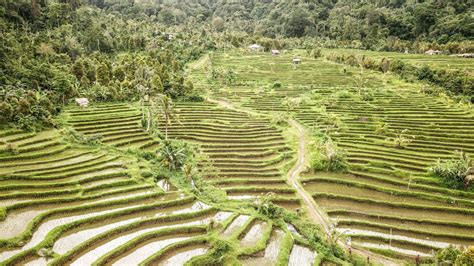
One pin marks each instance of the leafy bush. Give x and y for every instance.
(218, 255)
(146, 174)
(425, 73)
(276, 84)
(454, 172)
(194, 97)
(174, 154)
(447, 255)
(267, 208)
(327, 156)
(10, 148)
(344, 94)
(316, 53)
(381, 127)
(401, 139)
(92, 140)
(279, 119)
(466, 258)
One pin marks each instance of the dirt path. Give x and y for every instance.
(313, 210)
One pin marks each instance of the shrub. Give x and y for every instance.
(367, 96)
(194, 97)
(447, 255)
(384, 65)
(146, 174)
(218, 255)
(454, 172)
(381, 127)
(279, 119)
(425, 73)
(174, 154)
(316, 53)
(267, 208)
(276, 84)
(10, 148)
(466, 258)
(344, 94)
(328, 157)
(92, 140)
(401, 139)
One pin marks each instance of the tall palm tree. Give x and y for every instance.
(167, 112)
(162, 106)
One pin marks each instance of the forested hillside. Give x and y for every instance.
(116, 50)
(375, 24)
(49, 53)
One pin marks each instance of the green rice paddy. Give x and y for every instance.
(66, 203)
(387, 200)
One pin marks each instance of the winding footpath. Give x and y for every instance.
(314, 212)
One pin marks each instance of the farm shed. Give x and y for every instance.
(255, 48)
(296, 61)
(433, 52)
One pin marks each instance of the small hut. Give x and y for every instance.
(275, 52)
(433, 52)
(82, 102)
(296, 60)
(255, 48)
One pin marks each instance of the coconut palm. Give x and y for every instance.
(164, 108)
(173, 155)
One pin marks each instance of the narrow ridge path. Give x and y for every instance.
(314, 212)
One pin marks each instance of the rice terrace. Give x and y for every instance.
(157, 132)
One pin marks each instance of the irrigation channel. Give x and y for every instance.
(313, 210)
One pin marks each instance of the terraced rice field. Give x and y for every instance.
(250, 156)
(71, 204)
(387, 200)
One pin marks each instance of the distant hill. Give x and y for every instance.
(368, 21)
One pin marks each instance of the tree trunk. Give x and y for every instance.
(148, 121)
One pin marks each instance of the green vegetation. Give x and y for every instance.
(457, 82)
(456, 173)
(106, 186)
(228, 133)
(54, 52)
(328, 157)
(453, 256)
(387, 133)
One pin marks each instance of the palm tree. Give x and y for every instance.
(172, 156)
(164, 108)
